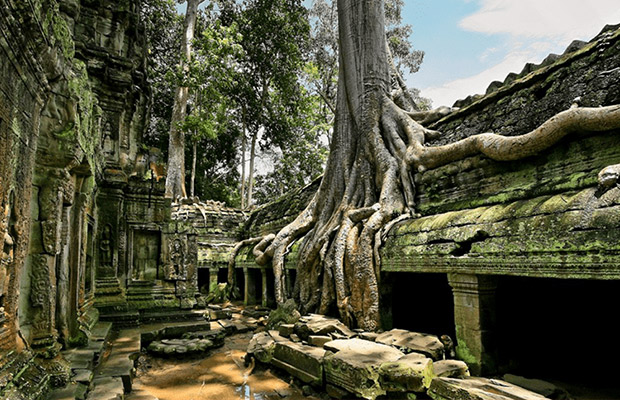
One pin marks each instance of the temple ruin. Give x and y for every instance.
(518, 261)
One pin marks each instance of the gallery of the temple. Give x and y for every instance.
(517, 261)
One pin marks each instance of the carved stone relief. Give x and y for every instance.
(146, 246)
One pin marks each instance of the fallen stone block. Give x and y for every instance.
(286, 329)
(217, 314)
(303, 362)
(411, 373)
(318, 340)
(372, 336)
(261, 346)
(409, 342)
(315, 324)
(450, 369)
(355, 366)
(543, 388)
(170, 347)
(478, 389)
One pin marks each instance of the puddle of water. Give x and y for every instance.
(220, 376)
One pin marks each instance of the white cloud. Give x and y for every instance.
(449, 92)
(567, 19)
(535, 28)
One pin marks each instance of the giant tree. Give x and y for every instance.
(368, 184)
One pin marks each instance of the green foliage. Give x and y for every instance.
(163, 32)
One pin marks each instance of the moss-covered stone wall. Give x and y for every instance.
(540, 216)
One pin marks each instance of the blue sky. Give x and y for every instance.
(470, 43)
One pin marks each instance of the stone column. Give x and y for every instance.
(246, 286)
(265, 294)
(474, 318)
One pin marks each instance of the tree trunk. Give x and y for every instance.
(251, 169)
(194, 151)
(175, 179)
(244, 145)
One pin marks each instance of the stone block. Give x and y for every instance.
(107, 388)
(478, 389)
(315, 324)
(356, 365)
(286, 329)
(411, 373)
(543, 388)
(409, 342)
(318, 340)
(261, 346)
(450, 369)
(303, 362)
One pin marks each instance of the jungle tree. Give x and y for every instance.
(376, 148)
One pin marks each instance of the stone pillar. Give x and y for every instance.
(474, 318)
(265, 294)
(288, 278)
(246, 286)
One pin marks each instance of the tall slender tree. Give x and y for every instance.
(175, 179)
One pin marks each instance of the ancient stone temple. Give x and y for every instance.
(517, 261)
(86, 233)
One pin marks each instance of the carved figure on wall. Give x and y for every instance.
(141, 258)
(105, 247)
(108, 140)
(177, 260)
(8, 249)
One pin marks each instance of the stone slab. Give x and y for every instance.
(107, 388)
(355, 365)
(315, 324)
(541, 387)
(408, 342)
(73, 391)
(84, 376)
(478, 389)
(301, 361)
(450, 369)
(411, 373)
(319, 340)
(101, 331)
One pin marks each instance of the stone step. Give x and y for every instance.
(73, 391)
(107, 388)
(80, 358)
(125, 348)
(101, 331)
(122, 319)
(172, 315)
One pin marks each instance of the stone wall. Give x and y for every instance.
(74, 189)
(540, 216)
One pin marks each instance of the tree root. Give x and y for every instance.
(233, 257)
(510, 148)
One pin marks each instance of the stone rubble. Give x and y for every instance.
(397, 363)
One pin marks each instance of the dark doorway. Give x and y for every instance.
(559, 329)
(222, 275)
(418, 302)
(204, 280)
